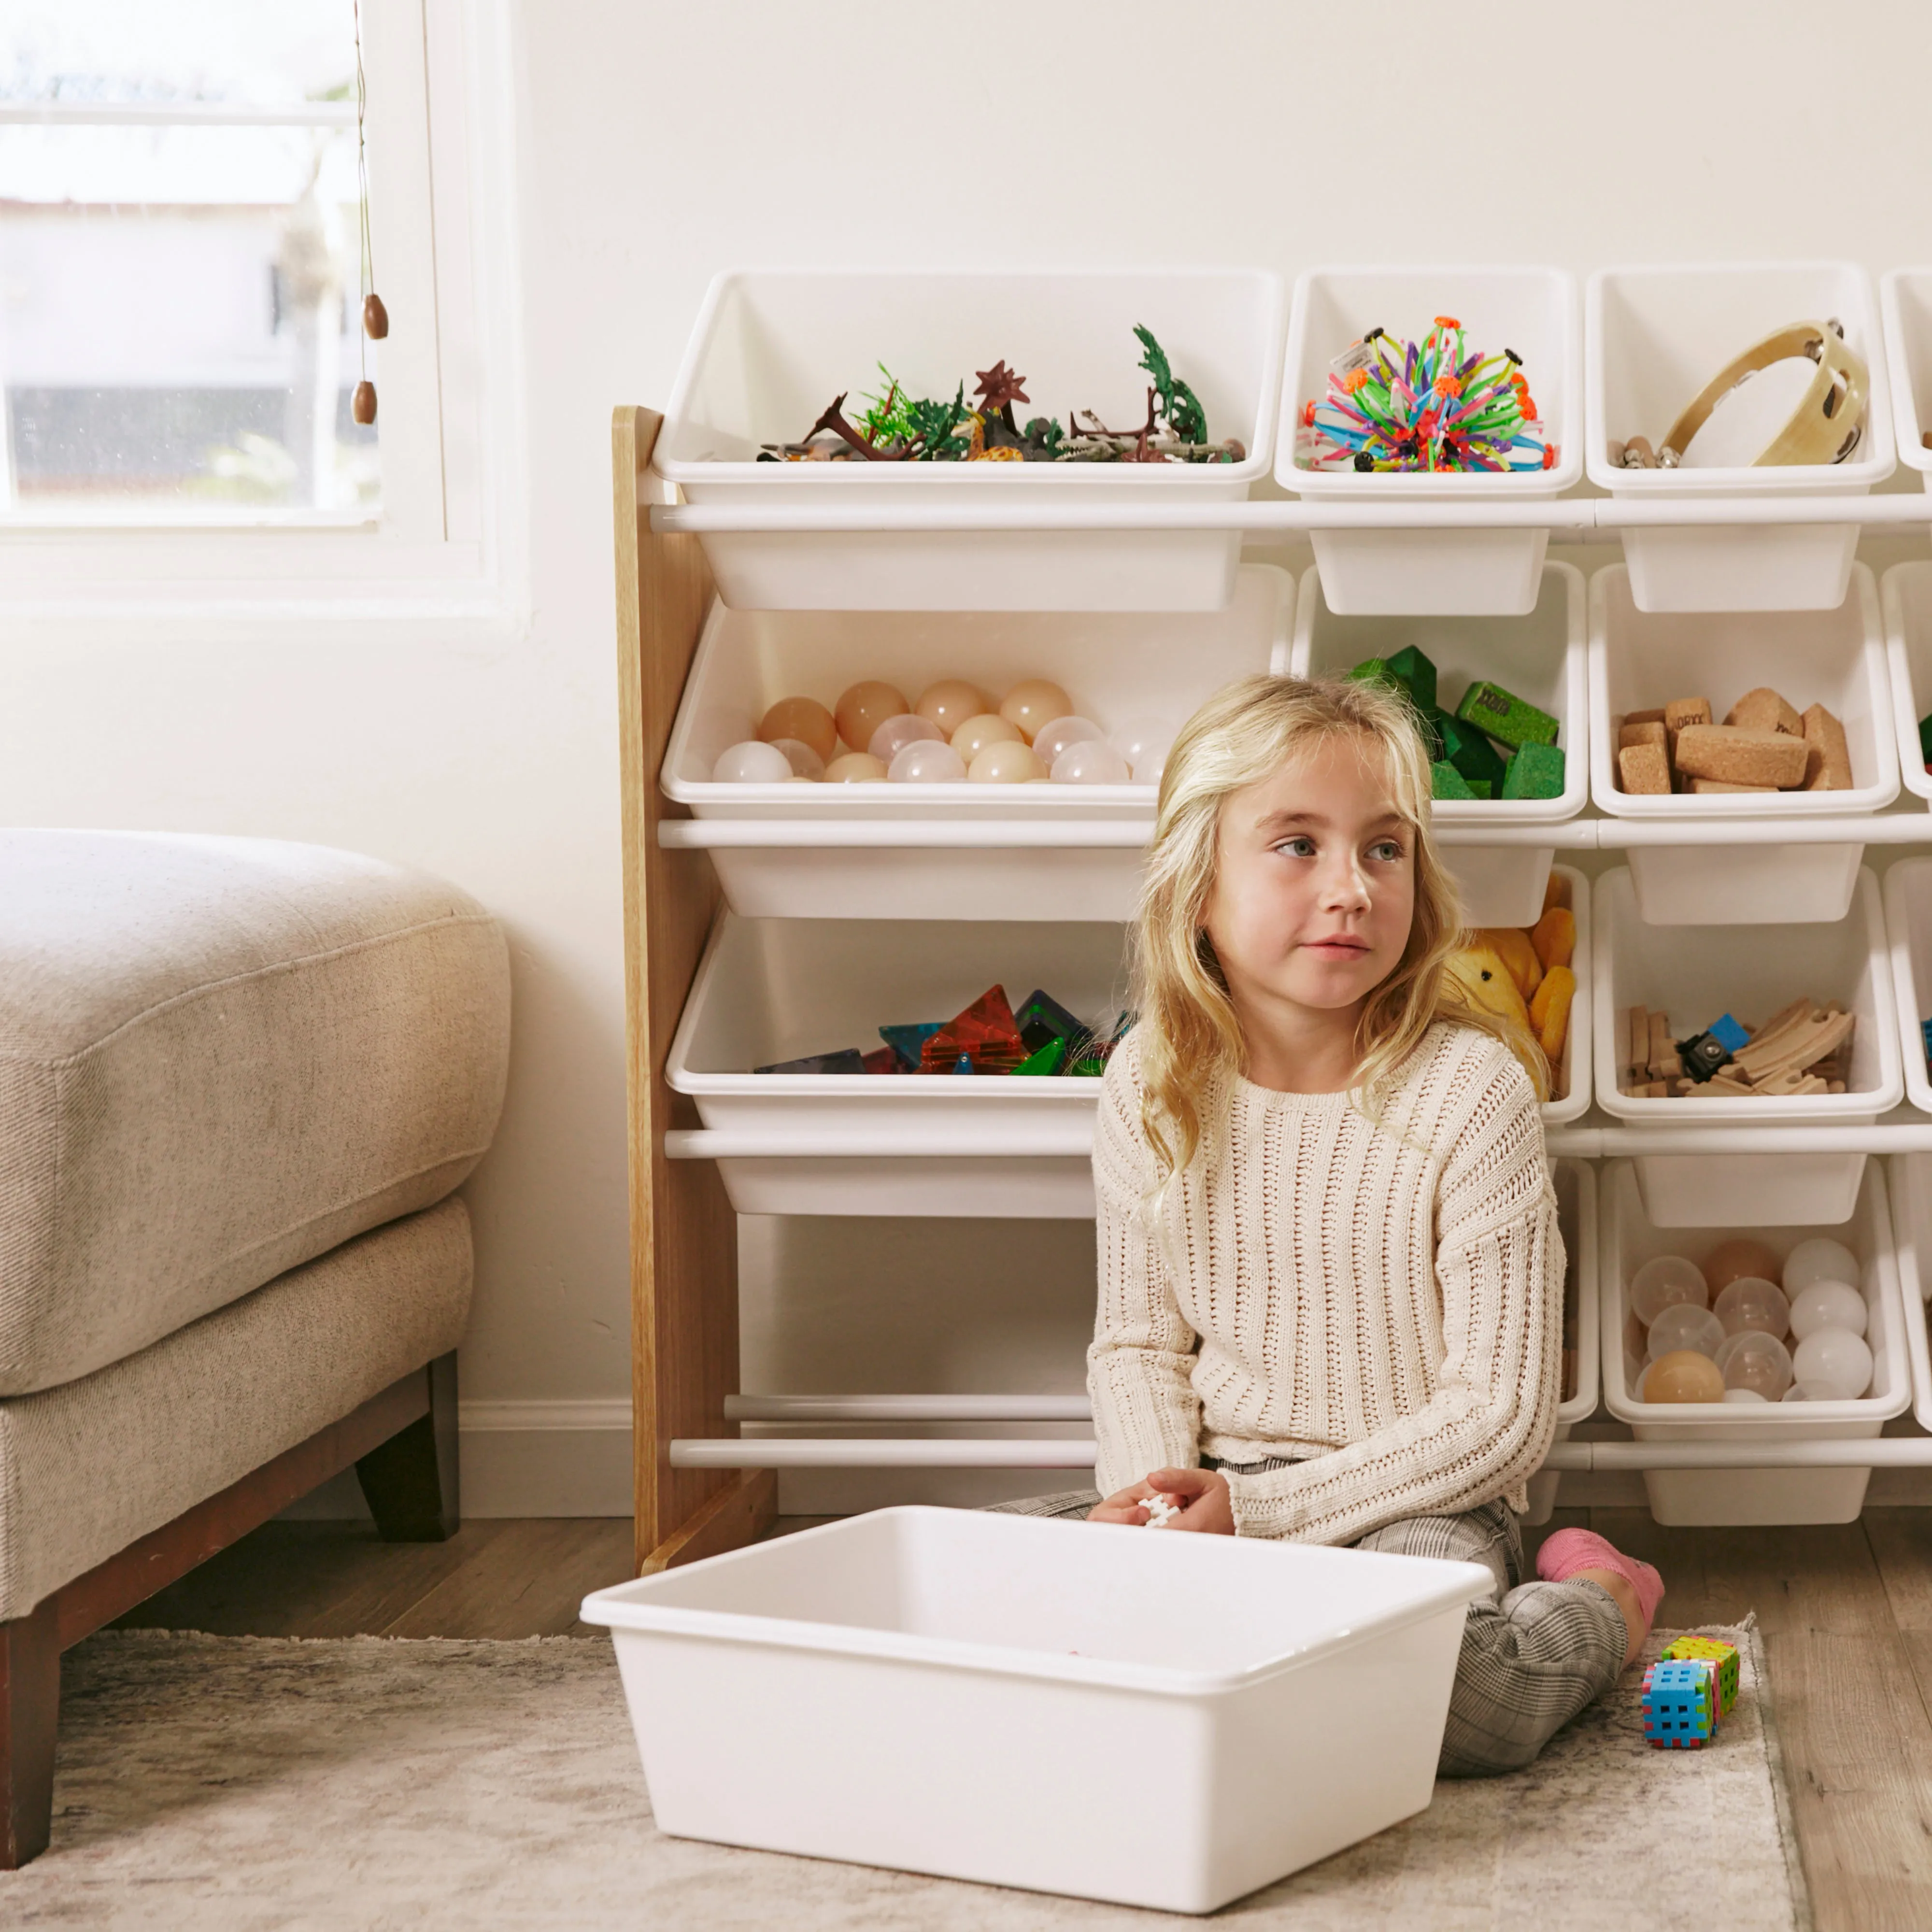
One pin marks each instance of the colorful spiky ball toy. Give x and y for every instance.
(1434, 405)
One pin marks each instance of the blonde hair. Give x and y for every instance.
(1189, 1036)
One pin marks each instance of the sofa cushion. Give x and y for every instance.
(219, 1057)
(87, 1467)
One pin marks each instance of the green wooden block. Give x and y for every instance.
(1447, 782)
(1469, 752)
(1415, 672)
(1535, 772)
(1480, 788)
(1505, 716)
(1925, 738)
(1374, 670)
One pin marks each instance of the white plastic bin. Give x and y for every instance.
(1653, 338)
(1542, 657)
(1908, 925)
(771, 347)
(1905, 298)
(1001, 1699)
(1697, 973)
(1911, 1185)
(770, 990)
(1630, 1238)
(1117, 668)
(1640, 661)
(1476, 572)
(1575, 1183)
(1905, 598)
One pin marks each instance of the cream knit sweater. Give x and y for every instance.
(1387, 1300)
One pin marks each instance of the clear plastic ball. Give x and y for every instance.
(988, 727)
(1742, 1395)
(949, 702)
(1820, 1259)
(802, 718)
(1033, 702)
(1752, 1360)
(1684, 1325)
(1053, 737)
(895, 733)
(1685, 1376)
(1092, 761)
(753, 762)
(1145, 743)
(805, 762)
(856, 768)
(1836, 1359)
(1827, 1304)
(1004, 763)
(927, 761)
(1808, 1392)
(1660, 1282)
(1740, 1255)
(863, 707)
(1751, 1302)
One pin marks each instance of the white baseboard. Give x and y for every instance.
(520, 1459)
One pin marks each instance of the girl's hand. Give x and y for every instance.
(1206, 1504)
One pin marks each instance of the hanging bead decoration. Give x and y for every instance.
(375, 316)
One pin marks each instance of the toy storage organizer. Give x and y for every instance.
(758, 915)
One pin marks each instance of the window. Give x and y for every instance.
(181, 284)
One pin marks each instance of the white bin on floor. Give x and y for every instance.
(1653, 338)
(1630, 1238)
(1905, 598)
(1905, 302)
(1911, 1189)
(1533, 311)
(1696, 973)
(771, 347)
(1542, 658)
(1118, 669)
(1575, 1183)
(1001, 1699)
(1837, 658)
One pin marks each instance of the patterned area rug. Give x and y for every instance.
(246, 1782)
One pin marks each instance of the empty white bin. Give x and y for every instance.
(1117, 668)
(1694, 973)
(1905, 596)
(1905, 302)
(1908, 925)
(1653, 338)
(1911, 1186)
(1495, 572)
(1542, 658)
(1010, 1700)
(1630, 1237)
(771, 347)
(1640, 661)
(1576, 1184)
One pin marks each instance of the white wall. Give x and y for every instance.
(660, 140)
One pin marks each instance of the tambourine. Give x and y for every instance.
(1826, 426)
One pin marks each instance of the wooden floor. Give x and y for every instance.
(1847, 1615)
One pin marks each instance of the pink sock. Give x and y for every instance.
(1569, 1550)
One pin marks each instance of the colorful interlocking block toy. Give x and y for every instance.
(1712, 1650)
(1680, 1704)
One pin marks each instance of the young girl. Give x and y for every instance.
(1331, 1283)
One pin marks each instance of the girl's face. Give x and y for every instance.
(1315, 883)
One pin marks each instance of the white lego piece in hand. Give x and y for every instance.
(1161, 1510)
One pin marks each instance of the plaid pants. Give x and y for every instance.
(1533, 1656)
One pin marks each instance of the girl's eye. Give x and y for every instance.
(1389, 851)
(1300, 847)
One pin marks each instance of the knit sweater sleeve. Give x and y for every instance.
(1146, 1414)
(1499, 1272)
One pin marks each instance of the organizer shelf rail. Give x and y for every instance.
(701, 1486)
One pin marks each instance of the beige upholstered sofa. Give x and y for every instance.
(240, 1081)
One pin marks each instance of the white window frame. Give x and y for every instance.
(447, 541)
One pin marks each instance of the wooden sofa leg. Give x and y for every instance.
(29, 1716)
(410, 1481)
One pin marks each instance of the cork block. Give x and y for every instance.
(1703, 787)
(1682, 711)
(1643, 768)
(1647, 731)
(1643, 718)
(1765, 709)
(1535, 772)
(1739, 756)
(1828, 763)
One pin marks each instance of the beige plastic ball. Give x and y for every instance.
(856, 768)
(1684, 1376)
(949, 702)
(987, 727)
(1006, 763)
(1033, 702)
(802, 718)
(863, 707)
(1733, 1260)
